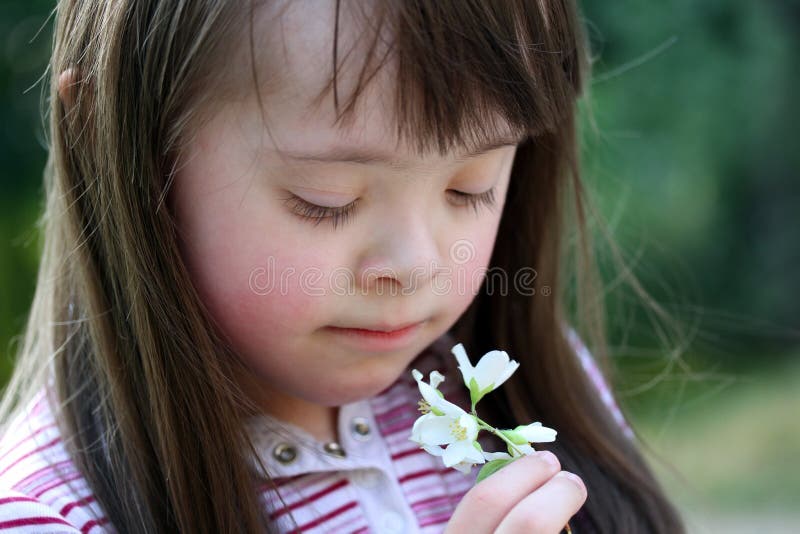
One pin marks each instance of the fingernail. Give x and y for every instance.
(574, 478)
(548, 457)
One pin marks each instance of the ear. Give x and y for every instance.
(74, 92)
(67, 86)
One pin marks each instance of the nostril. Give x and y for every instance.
(387, 283)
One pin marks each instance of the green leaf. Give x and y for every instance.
(474, 391)
(490, 468)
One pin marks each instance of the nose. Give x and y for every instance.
(402, 254)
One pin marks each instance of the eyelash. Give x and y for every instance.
(340, 215)
(475, 200)
(316, 214)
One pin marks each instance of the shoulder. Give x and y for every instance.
(595, 375)
(22, 513)
(41, 490)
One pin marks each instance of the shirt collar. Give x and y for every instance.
(287, 450)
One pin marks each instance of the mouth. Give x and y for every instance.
(382, 328)
(378, 336)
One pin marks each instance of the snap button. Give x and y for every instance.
(334, 448)
(361, 429)
(284, 453)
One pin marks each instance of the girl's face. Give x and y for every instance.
(342, 230)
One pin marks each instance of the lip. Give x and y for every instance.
(380, 328)
(377, 337)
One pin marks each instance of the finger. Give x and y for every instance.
(485, 505)
(548, 509)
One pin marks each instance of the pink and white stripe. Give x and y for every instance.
(42, 491)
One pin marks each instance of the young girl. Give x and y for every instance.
(260, 217)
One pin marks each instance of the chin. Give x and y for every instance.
(352, 389)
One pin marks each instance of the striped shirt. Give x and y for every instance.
(373, 480)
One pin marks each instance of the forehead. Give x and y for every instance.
(293, 59)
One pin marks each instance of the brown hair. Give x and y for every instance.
(144, 381)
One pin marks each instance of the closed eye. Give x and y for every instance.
(339, 215)
(316, 214)
(475, 200)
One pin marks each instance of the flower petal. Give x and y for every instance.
(490, 367)
(456, 452)
(435, 430)
(473, 455)
(537, 433)
(419, 423)
(464, 467)
(507, 372)
(434, 450)
(435, 379)
(468, 422)
(467, 371)
(415, 429)
(432, 397)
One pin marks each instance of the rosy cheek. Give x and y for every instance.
(270, 299)
(469, 260)
(251, 279)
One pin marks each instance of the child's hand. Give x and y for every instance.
(531, 496)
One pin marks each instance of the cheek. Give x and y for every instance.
(260, 296)
(250, 271)
(479, 267)
(468, 261)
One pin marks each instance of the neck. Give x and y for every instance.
(322, 422)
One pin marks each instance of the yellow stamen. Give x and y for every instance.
(424, 406)
(458, 431)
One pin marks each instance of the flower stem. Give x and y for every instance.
(486, 426)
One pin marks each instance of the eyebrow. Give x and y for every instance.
(371, 156)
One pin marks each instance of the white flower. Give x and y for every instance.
(433, 398)
(459, 434)
(465, 465)
(494, 368)
(536, 433)
(446, 430)
(522, 436)
(451, 426)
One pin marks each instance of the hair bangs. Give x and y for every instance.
(469, 73)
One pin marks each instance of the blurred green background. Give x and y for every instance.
(691, 148)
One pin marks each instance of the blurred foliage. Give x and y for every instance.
(733, 449)
(23, 58)
(690, 144)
